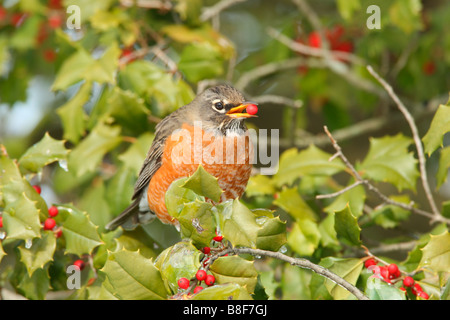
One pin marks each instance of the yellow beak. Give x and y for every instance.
(236, 112)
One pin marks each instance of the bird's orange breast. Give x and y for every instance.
(228, 158)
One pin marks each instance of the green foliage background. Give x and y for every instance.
(130, 65)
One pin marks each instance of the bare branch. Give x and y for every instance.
(338, 193)
(371, 187)
(302, 263)
(416, 137)
(214, 10)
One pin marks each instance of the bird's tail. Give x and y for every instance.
(129, 218)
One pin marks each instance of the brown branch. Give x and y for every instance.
(415, 132)
(302, 263)
(371, 187)
(211, 12)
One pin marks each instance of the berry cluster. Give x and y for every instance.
(391, 273)
(54, 19)
(50, 222)
(201, 275)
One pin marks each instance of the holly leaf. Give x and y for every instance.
(388, 160)
(312, 161)
(304, 237)
(259, 185)
(436, 254)
(21, 219)
(72, 114)
(131, 276)
(236, 270)
(354, 197)
(377, 289)
(46, 151)
(182, 260)
(200, 61)
(272, 235)
(197, 222)
(229, 291)
(348, 269)
(290, 201)
(444, 164)
(204, 184)
(176, 197)
(101, 140)
(239, 223)
(80, 233)
(346, 226)
(439, 126)
(40, 252)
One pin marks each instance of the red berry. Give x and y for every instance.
(393, 271)
(314, 40)
(49, 224)
(206, 250)
(3, 13)
(408, 281)
(79, 264)
(183, 283)
(429, 68)
(417, 287)
(37, 188)
(50, 55)
(218, 238)
(55, 4)
(58, 233)
(210, 280)
(384, 272)
(198, 289)
(1, 222)
(423, 295)
(201, 275)
(252, 109)
(55, 21)
(53, 211)
(370, 262)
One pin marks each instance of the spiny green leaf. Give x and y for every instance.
(178, 261)
(176, 196)
(41, 252)
(133, 277)
(259, 185)
(88, 154)
(312, 161)
(438, 127)
(272, 235)
(348, 269)
(204, 184)
(46, 151)
(377, 289)
(436, 254)
(235, 269)
(21, 219)
(346, 226)
(290, 201)
(229, 291)
(388, 160)
(80, 233)
(354, 197)
(304, 237)
(239, 223)
(72, 114)
(444, 164)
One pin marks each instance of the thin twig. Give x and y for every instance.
(338, 193)
(214, 10)
(415, 132)
(371, 187)
(302, 263)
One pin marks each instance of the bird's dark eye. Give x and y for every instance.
(218, 105)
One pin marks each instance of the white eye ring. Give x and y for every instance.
(219, 106)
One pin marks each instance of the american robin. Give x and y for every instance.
(209, 131)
